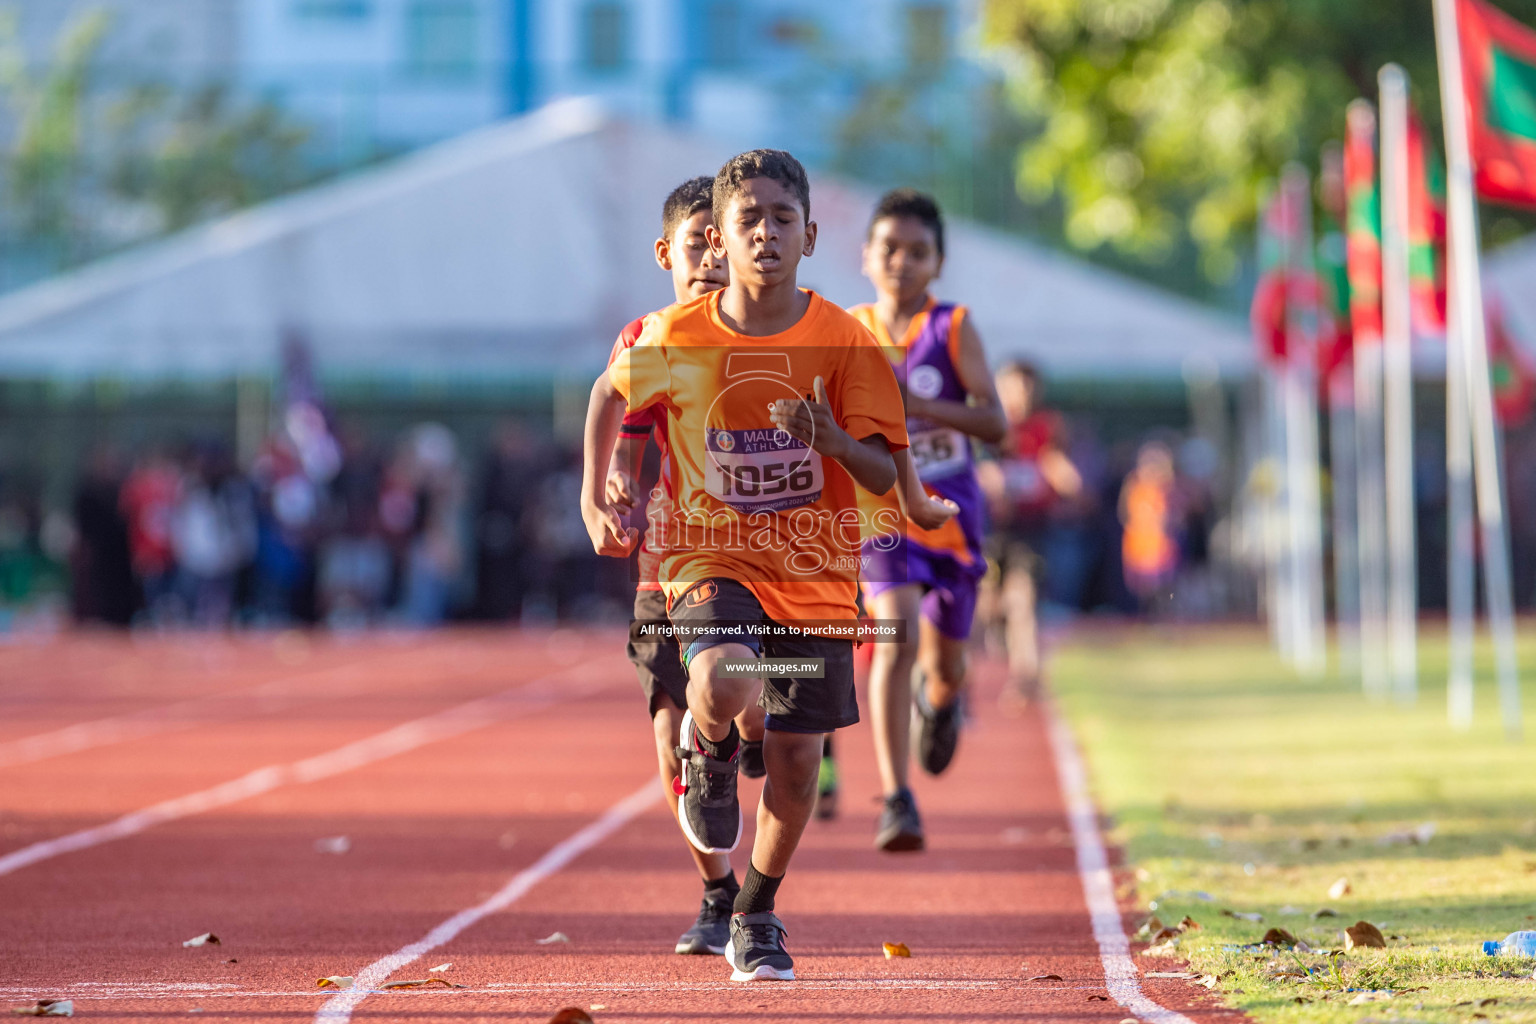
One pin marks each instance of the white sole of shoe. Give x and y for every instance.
(763, 973)
(685, 740)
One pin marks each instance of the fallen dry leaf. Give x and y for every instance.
(1164, 934)
(205, 939)
(550, 940)
(1169, 948)
(1324, 912)
(1363, 934)
(48, 1008)
(1189, 924)
(1096, 998)
(895, 949)
(1338, 890)
(1149, 927)
(1046, 977)
(439, 968)
(598, 1006)
(422, 983)
(333, 844)
(1184, 975)
(1278, 937)
(1210, 981)
(336, 981)
(1285, 970)
(571, 1015)
(1242, 915)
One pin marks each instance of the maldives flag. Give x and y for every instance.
(1498, 62)
(1334, 341)
(1426, 232)
(1509, 371)
(1362, 224)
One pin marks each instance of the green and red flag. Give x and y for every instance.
(1498, 61)
(1335, 340)
(1509, 370)
(1362, 224)
(1278, 229)
(1426, 232)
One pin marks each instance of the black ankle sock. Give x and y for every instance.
(722, 750)
(727, 885)
(757, 892)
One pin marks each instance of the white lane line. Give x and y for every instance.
(103, 991)
(408, 736)
(266, 698)
(339, 1009)
(1120, 975)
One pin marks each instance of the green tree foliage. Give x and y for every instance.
(87, 169)
(1159, 121)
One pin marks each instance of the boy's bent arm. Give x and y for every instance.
(870, 463)
(605, 527)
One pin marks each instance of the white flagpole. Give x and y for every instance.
(1302, 436)
(1461, 552)
(1346, 567)
(1465, 283)
(1397, 334)
(1369, 497)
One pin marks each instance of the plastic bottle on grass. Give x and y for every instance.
(1514, 944)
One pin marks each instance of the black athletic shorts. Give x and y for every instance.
(658, 662)
(804, 705)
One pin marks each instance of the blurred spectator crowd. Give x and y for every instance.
(319, 529)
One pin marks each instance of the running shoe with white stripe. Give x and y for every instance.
(708, 809)
(756, 949)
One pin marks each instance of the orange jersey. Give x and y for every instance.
(752, 503)
(885, 508)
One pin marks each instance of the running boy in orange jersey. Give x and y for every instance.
(682, 250)
(778, 407)
(927, 577)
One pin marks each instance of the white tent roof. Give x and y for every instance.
(522, 249)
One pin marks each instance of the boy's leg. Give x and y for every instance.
(659, 666)
(801, 711)
(946, 626)
(1020, 624)
(714, 617)
(890, 706)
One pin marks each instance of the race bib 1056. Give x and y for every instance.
(763, 470)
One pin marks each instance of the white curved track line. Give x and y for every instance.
(1120, 975)
(408, 736)
(338, 1009)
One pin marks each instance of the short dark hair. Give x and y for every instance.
(774, 164)
(909, 202)
(687, 199)
(1023, 367)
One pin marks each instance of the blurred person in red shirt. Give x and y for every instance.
(1024, 484)
(148, 501)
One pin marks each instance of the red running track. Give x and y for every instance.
(155, 789)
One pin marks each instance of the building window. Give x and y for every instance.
(606, 36)
(722, 34)
(927, 35)
(441, 39)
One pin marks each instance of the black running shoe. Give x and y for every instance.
(708, 809)
(938, 732)
(756, 949)
(712, 928)
(752, 765)
(900, 829)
